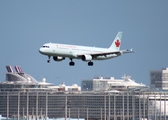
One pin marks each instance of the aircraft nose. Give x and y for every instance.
(41, 50)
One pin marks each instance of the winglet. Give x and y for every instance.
(117, 42)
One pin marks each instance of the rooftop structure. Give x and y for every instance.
(103, 84)
(20, 81)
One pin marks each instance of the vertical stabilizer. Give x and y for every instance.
(117, 42)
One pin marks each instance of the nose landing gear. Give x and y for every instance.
(48, 59)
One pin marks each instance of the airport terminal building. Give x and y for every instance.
(22, 97)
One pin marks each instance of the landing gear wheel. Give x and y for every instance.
(71, 63)
(90, 63)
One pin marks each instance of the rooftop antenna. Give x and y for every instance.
(126, 77)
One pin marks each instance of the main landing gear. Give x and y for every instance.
(71, 63)
(90, 63)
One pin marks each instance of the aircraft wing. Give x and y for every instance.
(99, 54)
(108, 53)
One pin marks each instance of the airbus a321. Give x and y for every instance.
(61, 51)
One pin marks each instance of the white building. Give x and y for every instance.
(63, 88)
(104, 84)
(159, 79)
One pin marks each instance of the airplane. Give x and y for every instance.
(61, 51)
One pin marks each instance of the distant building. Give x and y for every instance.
(159, 79)
(24, 98)
(103, 84)
(63, 88)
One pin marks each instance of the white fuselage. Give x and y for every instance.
(72, 51)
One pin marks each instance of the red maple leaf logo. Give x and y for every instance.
(117, 43)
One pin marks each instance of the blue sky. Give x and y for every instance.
(26, 25)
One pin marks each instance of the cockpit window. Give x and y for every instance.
(45, 46)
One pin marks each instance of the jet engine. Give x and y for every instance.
(58, 58)
(86, 57)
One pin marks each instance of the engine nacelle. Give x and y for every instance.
(58, 58)
(86, 57)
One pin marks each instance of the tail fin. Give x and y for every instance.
(117, 42)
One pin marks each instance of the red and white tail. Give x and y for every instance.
(117, 42)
